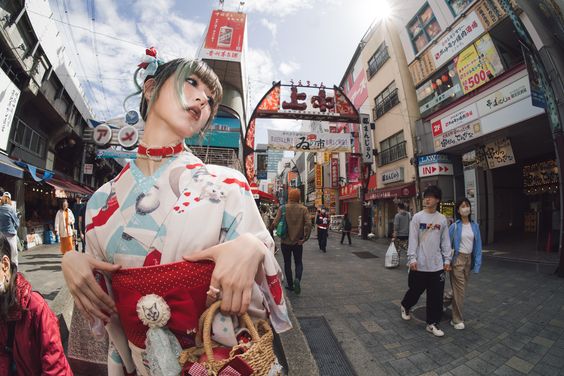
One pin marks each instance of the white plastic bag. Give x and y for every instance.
(392, 257)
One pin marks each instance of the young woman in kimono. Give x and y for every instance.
(168, 206)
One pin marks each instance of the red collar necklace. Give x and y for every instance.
(157, 153)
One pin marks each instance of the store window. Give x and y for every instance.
(28, 139)
(423, 28)
(386, 100)
(378, 59)
(458, 6)
(392, 149)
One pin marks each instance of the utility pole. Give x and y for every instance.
(554, 115)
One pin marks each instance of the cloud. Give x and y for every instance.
(271, 26)
(279, 8)
(287, 68)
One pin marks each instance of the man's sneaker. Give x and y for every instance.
(289, 288)
(432, 328)
(405, 313)
(458, 326)
(297, 288)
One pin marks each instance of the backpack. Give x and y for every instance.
(282, 227)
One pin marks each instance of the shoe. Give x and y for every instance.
(405, 313)
(458, 326)
(433, 328)
(297, 288)
(289, 288)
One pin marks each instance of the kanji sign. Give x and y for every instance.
(303, 141)
(366, 139)
(334, 173)
(225, 36)
(318, 176)
(9, 96)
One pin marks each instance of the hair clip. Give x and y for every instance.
(150, 62)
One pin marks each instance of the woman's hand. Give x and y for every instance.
(78, 270)
(236, 264)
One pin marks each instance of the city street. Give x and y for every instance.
(513, 316)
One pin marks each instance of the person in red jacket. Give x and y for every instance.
(30, 342)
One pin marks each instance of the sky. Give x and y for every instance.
(287, 39)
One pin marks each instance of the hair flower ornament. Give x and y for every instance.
(150, 62)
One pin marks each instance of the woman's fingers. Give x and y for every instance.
(226, 300)
(104, 266)
(246, 300)
(80, 306)
(98, 298)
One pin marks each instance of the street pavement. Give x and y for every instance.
(514, 316)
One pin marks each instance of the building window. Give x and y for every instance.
(28, 139)
(392, 149)
(386, 100)
(458, 6)
(377, 60)
(423, 28)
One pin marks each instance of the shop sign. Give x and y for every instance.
(468, 29)
(319, 198)
(354, 168)
(225, 36)
(115, 154)
(318, 176)
(456, 119)
(392, 176)
(478, 64)
(366, 141)
(88, 168)
(379, 194)
(434, 169)
(471, 190)
(432, 159)
(307, 141)
(349, 191)
(334, 173)
(505, 96)
(499, 153)
(9, 96)
(458, 136)
(311, 196)
(453, 91)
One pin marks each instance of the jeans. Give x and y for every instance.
(322, 238)
(434, 284)
(297, 251)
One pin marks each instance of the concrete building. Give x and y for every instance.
(483, 133)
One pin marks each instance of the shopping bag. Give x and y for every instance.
(282, 227)
(392, 257)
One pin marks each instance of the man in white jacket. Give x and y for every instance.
(64, 225)
(428, 258)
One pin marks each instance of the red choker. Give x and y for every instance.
(159, 152)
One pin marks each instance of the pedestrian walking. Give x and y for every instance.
(164, 208)
(467, 241)
(76, 208)
(30, 341)
(82, 223)
(347, 227)
(429, 256)
(322, 222)
(64, 227)
(9, 223)
(297, 233)
(400, 236)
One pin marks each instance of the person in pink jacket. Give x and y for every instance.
(30, 341)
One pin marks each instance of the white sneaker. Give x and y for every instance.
(435, 330)
(458, 326)
(405, 313)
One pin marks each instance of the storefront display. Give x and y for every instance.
(539, 178)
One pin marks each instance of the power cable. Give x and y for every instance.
(95, 43)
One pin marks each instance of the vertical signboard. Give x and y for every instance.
(225, 36)
(9, 95)
(366, 139)
(318, 176)
(334, 173)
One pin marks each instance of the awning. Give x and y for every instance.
(261, 195)
(404, 190)
(8, 167)
(67, 186)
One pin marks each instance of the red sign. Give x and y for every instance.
(349, 191)
(225, 37)
(354, 168)
(334, 173)
(407, 190)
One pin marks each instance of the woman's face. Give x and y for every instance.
(65, 205)
(4, 274)
(168, 111)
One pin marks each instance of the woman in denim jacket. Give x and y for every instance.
(467, 244)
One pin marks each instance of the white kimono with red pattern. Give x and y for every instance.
(184, 207)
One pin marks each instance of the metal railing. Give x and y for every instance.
(386, 105)
(392, 154)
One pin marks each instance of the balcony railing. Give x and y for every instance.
(386, 105)
(392, 154)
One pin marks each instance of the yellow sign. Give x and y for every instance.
(478, 64)
(318, 176)
(326, 157)
(319, 198)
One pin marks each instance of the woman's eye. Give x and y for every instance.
(192, 81)
(210, 101)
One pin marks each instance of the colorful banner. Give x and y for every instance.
(334, 173)
(478, 64)
(499, 153)
(354, 168)
(462, 34)
(303, 141)
(225, 36)
(318, 177)
(456, 119)
(457, 136)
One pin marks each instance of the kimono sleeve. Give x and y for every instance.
(93, 213)
(242, 216)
